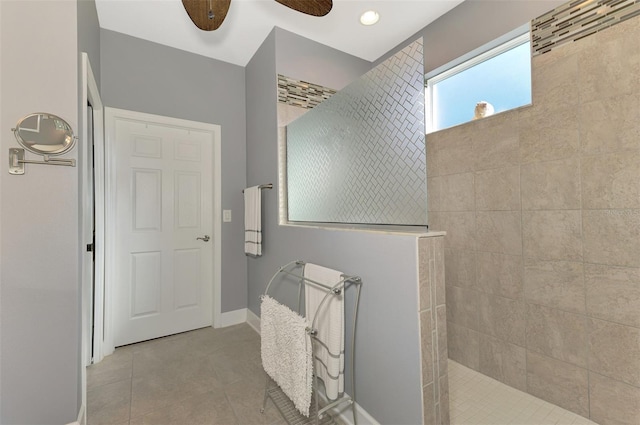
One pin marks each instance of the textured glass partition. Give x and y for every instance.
(359, 157)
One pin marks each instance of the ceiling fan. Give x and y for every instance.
(209, 14)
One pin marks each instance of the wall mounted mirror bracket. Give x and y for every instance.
(17, 161)
(43, 134)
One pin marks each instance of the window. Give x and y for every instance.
(500, 77)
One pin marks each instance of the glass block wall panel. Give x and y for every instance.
(359, 156)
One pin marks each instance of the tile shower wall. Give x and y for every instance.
(433, 331)
(359, 156)
(542, 211)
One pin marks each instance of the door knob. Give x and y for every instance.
(205, 239)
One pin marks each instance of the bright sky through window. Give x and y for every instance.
(503, 80)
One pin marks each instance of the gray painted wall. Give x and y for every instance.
(89, 34)
(262, 119)
(388, 324)
(472, 24)
(302, 59)
(1, 145)
(147, 77)
(39, 220)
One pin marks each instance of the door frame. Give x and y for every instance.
(90, 94)
(111, 114)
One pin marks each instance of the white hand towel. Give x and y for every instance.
(329, 353)
(253, 221)
(286, 351)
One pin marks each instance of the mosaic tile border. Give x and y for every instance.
(578, 19)
(301, 93)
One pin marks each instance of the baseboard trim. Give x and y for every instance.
(82, 419)
(231, 318)
(345, 414)
(253, 321)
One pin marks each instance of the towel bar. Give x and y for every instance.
(264, 186)
(318, 415)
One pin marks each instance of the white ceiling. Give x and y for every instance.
(249, 22)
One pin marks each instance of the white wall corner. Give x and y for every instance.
(231, 318)
(253, 321)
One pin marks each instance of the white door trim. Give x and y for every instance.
(91, 94)
(111, 114)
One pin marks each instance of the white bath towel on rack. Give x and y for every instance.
(286, 351)
(329, 353)
(253, 221)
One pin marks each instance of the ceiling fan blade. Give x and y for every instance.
(207, 14)
(310, 7)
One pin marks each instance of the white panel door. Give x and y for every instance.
(164, 259)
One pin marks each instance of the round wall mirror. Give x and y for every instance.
(44, 134)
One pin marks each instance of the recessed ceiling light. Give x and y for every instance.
(369, 17)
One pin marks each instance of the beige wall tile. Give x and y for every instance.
(552, 235)
(629, 28)
(498, 189)
(432, 154)
(500, 274)
(499, 231)
(558, 382)
(558, 284)
(424, 272)
(437, 221)
(611, 181)
(613, 293)
(610, 68)
(439, 271)
(460, 228)
(613, 402)
(429, 408)
(453, 148)
(610, 124)
(551, 185)
(434, 193)
(441, 329)
(549, 136)
(462, 307)
(444, 400)
(460, 268)
(497, 146)
(555, 83)
(614, 351)
(503, 318)
(563, 51)
(612, 237)
(456, 192)
(503, 361)
(557, 334)
(462, 344)
(426, 346)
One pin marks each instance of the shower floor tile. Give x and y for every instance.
(476, 399)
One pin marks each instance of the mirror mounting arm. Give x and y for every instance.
(17, 161)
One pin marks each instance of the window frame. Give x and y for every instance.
(457, 67)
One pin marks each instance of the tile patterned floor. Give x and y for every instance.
(207, 376)
(214, 376)
(476, 399)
